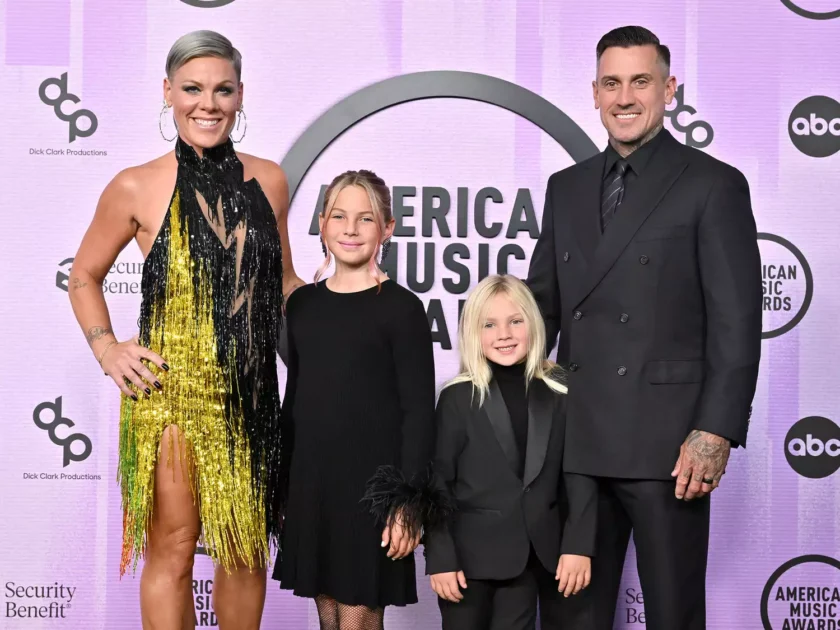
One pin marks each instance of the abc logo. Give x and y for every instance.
(814, 126)
(812, 447)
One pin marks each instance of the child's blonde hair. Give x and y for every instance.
(380, 205)
(474, 366)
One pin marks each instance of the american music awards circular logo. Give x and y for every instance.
(787, 285)
(803, 593)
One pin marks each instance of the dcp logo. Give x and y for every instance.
(207, 4)
(61, 276)
(814, 126)
(812, 447)
(57, 420)
(64, 95)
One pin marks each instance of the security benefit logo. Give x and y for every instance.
(803, 594)
(814, 126)
(37, 601)
(203, 590)
(56, 101)
(123, 277)
(787, 285)
(812, 447)
(634, 607)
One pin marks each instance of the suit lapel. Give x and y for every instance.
(665, 166)
(499, 418)
(541, 401)
(586, 212)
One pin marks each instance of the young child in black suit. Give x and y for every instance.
(522, 530)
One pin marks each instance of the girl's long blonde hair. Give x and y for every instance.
(474, 366)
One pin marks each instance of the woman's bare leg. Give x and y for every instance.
(166, 601)
(239, 597)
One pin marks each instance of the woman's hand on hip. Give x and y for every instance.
(123, 362)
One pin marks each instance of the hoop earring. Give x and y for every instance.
(160, 123)
(240, 116)
(386, 247)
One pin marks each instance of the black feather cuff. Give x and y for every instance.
(422, 504)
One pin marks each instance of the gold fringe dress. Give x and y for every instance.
(211, 304)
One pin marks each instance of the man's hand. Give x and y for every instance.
(701, 464)
(446, 585)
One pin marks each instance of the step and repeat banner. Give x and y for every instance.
(464, 108)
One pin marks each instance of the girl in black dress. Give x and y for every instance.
(358, 426)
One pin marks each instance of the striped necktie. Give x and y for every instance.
(613, 193)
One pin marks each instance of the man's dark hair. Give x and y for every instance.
(629, 36)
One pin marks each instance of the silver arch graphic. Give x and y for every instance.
(207, 4)
(811, 15)
(434, 84)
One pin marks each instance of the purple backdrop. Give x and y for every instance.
(745, 68)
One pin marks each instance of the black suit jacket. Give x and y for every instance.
(499, 515)
(659, 317)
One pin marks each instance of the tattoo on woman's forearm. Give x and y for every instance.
(78, 284)
(97, 332)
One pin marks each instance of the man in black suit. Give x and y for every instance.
(648, 267)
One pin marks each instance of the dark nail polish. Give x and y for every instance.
(157, 384)
(134, 398)
(148, 392)
(164, 366)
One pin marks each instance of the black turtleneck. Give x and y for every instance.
(511, 381)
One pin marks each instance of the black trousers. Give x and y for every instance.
(672, 542)
(507, 604)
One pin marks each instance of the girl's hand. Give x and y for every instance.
(395, 536)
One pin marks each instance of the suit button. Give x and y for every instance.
(566, 257)
(578, 315)
(644, 259)
(624, 318)
(573, 367)
(528, 489)
(622, 370)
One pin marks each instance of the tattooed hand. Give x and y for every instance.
(701, 464)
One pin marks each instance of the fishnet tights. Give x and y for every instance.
(335, 616)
